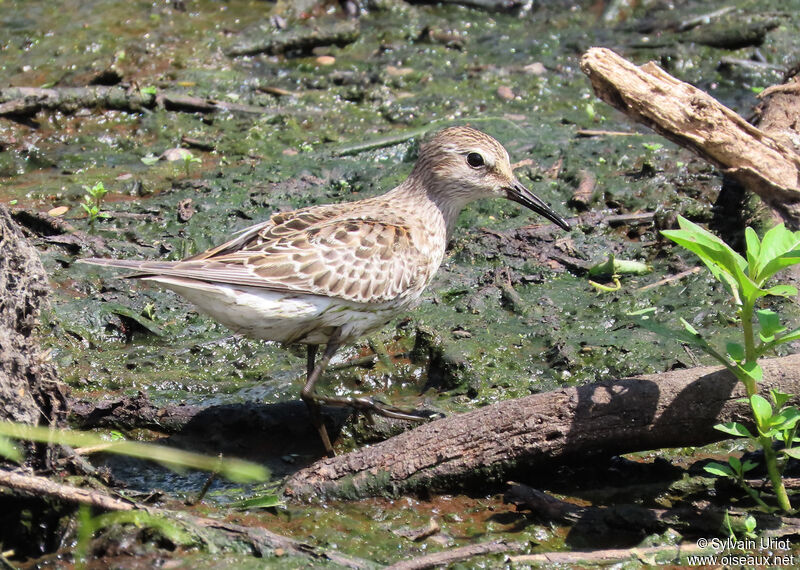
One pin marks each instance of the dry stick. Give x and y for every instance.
(42, 486)
(456, 555)
(601, 133)
(30, 100)
(673, 409)
(644, 555)
(262, 540)
(670, 279)
(695, 120)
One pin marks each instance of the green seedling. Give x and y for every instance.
(149, 311)
(652, 147)
(188, 160)
(92, 201)
(746, 279)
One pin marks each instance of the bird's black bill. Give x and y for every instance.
(522, 195)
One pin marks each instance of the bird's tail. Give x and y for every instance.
(140, 266)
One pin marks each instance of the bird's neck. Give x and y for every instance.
(438, 210)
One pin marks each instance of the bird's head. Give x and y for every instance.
(461, 164)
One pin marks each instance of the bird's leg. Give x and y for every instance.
(309, 396)
(367, 405)
(312, 399)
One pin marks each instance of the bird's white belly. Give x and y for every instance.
(285, 317)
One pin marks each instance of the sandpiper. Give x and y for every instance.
(333, 273)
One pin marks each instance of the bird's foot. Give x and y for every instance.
(369, 406)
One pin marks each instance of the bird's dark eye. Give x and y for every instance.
(475, 160)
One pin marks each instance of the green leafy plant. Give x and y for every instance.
(746, 280)
(91, 202)
(233, 469)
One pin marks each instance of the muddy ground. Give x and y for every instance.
(338, 117)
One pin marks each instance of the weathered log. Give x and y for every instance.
(508, 439)
(693, 119)
(29, 388)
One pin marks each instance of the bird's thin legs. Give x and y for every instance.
(308, 394)
(313, 400)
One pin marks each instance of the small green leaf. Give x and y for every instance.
(10, 451)
(762, 410)
(750, 525)
(149, 160)
(788, 337)
(780, 248)
(264, 502)
(789, 291)
(735, 351)
(733, 428)
(688, 327)
(735, 464)
(770, 323)
(786, 419)
(793, 452)
(719, 469)
(779, 398)
(643, 312)
(749, 466)
(753, 370)
(753, 247)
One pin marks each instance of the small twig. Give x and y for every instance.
(455, 555)
(90, 449)
(600, 133)
(690, 354)
(392, 140)
(197, 143)
(703, 18)
(610, 555)
(670, 279)
(42, 486)
(206, 486)
(630, 219)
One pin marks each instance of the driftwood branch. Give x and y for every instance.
(495, 443)
(691, 118)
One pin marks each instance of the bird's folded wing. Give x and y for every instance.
(359, 260)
